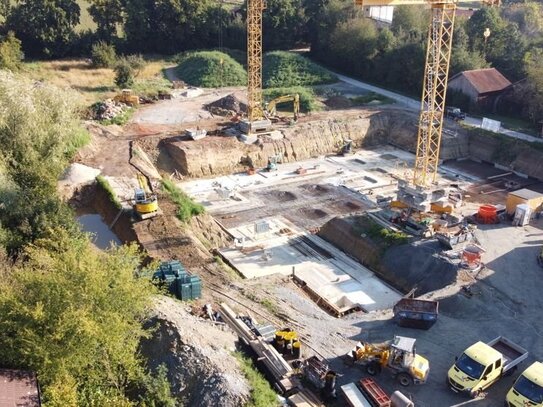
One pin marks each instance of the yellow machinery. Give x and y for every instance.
(145, 202)
(271, 108)
(398, 355)
(127, 97)
(434, 90)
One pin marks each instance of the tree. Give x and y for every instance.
(39, 132)
(165, 26)
(45, 27)
(103, 55)
(284, 24)
(124, 74)
(107, 14)
(486, 17)
(11, 54)
(74, 315)
(534, 98)
(410, 22)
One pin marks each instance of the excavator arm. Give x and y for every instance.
(295, 99)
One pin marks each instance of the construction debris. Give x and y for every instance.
(227, 106)
(108, 109)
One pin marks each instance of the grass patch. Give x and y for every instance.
(186, 207)
(226, 268)
(382, 236)
(262, 395)
(308, 101)
(270, 306)
(369, 98)
(286, 69)
(121, 119)
(210, 69)
(151, 87)
(515, 124)
(104, 184)
(79, 140)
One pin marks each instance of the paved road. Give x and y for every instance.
(414, 104)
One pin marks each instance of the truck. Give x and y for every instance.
(398, 356)
(414, 313)
(483, 364)
(455, 113)
(528, 388)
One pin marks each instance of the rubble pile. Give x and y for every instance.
(108, 109)
(227, 106)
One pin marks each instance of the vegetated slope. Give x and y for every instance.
(211, 69)
(285, 69)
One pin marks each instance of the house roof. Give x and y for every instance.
(485, 80)
(19, 389)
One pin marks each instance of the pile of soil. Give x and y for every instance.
(338, 102)
(404, 267)
(227, 106)
(201, 368)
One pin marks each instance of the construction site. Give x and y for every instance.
(328, 243)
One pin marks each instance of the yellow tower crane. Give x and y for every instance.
(256, 120)
(436, 71)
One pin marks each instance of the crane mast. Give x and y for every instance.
(434, 91)
(254, 59)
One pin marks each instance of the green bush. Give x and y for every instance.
(285, 69)
(308, 102)
(103, 55)
(11, 53)
(124, 74)
(210, 69)
(186, 207)
(104, 184)
(262, 395)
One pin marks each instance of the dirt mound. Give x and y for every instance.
(201, 368)
(338, 102)
(404, 267)
(227, 106)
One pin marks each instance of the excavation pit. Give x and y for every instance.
(282, 196)
(314, 213)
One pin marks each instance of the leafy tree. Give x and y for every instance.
(410, 22)
(158, 392)
(39, 131)
(486, 17)
(107, 14)
(103, 55)
(74, 315)
(534, 98)
(164, 26)
(124, 74)
(11, 54)
(284, 24)
(45, 27)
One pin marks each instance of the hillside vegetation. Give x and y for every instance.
(285, 69)
(211, 69)
(69, 312)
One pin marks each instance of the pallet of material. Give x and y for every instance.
(354, 397)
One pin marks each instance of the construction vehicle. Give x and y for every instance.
(399, 356)
(145, 202)
(455, 114)
(128, 98)
(272, 163)
(528, 388)
(271, 108)
(483, 364)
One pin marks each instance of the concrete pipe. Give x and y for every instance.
(399, 400)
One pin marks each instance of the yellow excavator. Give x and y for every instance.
(145, 202)
(128, 98)
(271, 108)
(399, 356)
